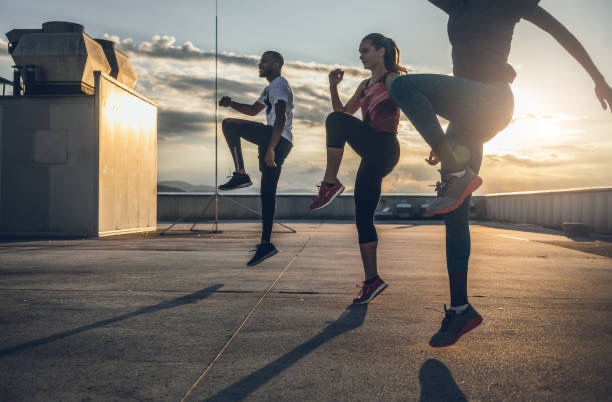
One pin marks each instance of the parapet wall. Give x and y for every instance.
(589, 206)
(288, 206)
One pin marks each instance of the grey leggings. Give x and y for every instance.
(476, 113)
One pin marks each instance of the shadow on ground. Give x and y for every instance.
(437, 383)
(350, 319)
(187, 299)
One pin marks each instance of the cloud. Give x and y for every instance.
(511, 160)
(311, 110)
(4, 49)
(312, 92)
(538, 151)
(312, 115)
(165, 47)
(307, 168)
(324, 68)
(165, 85)
(557, 117)
(420, 172)
(173, 123)
(195, 85)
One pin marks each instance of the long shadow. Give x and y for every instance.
(351, 319)
(437, 383)
(187, 299)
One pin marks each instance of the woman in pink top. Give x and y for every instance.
(373, 138)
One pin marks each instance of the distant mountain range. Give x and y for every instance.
(182, 187)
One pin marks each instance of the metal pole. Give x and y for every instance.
(216, 115)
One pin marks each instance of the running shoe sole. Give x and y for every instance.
(375, 293)
(473, 323)
(473, 186)
(265, 257)
(331, 199)
(239, 186)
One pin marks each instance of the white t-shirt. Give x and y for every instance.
(278, 89)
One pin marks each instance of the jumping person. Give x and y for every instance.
(274, 142)
(374, 139)
(478, 103)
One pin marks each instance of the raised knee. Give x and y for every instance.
(400, 85)
(225, 124)
(228, 123)
(333, 117)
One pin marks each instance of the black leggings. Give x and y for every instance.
(379, 153)
(259, 134)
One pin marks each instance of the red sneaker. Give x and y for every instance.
(369, 291)
(326, 195)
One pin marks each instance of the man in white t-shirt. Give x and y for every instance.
(274, 142)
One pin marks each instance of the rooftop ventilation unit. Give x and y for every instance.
(60, 59)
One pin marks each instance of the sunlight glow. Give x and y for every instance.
(530, 131)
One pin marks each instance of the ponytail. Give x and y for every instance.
(392, 58)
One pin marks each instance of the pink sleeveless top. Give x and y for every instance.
(378, 108)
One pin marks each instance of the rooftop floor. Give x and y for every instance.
(159, 318)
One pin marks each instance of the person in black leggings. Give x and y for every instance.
(478, 103)
(373, 138)
(274, 142)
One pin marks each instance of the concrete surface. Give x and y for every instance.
(163, 318)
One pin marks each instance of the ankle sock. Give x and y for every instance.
(458, 174)
(330, 184)
(460, 309)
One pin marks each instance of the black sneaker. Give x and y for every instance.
(238, 180)
(454, 326)
(263, 252)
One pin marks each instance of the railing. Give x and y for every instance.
(4, 83)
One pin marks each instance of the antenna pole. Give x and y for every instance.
(216, 115)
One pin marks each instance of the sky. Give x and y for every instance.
(559, 136)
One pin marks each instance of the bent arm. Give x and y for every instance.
(543, 20)
(250, 110)
(352, 105)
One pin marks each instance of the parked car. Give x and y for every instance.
(384, 213)
(404, 210)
